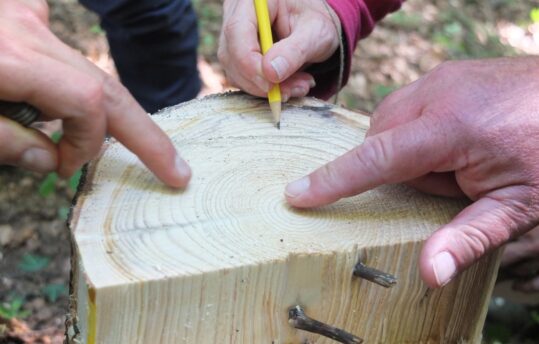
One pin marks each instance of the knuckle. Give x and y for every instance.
(475, 241)
(373, 156)
(326, 36)
(30, 19)
(329, 176)
(230, 28)
(41, 9)
(113, 92)
(14, 56)
(245, 62)
(517, 210)
(92, 96)
(302, 52)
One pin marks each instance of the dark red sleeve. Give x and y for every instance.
(358, 18)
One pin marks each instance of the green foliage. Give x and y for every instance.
(48, 185)
(74, 180)
(209, 23)
(53, 291)
(497, 333)
(380, 91)
(463, 37)
(97, 29)
(63, 213)
(349, 100)
(208, 40)
(13, 309)
(56, 136)
(534, 15)
(407, 21)
(535, 316)
(33, 263)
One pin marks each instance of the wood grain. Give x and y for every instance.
(224, 260)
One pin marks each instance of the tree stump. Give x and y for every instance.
(226, 260)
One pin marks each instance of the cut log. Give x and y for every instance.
(225, 260)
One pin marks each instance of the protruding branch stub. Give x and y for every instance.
(298, 319)
(374, 275)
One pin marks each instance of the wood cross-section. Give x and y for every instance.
(224, 260)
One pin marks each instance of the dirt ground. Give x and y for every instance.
(34, 246)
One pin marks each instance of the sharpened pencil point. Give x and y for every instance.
(276, 111)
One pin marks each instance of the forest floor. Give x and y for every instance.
(34, 243)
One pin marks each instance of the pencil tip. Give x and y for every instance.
(276, 111)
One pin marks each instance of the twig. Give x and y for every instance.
(376, 276)
(298, 319)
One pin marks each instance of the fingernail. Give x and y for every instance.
(184, 171)
(261, 83)
(38, 159)
(444, 267)
(298, 91)
(298, 187)
(280, 65)
(312, 83)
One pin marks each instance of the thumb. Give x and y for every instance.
(478, 229)
(303, 46)
(26, 148)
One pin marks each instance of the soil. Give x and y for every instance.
(31, 225)
(401, 49)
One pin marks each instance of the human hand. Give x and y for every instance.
(520, 261)
(37, 68)
(466, 128)
(307, 34)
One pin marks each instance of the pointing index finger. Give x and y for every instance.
(396, 155)
(134, 128)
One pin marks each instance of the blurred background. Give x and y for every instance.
(34, 244)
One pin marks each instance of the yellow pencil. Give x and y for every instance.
(266, 41)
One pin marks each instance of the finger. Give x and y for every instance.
(438, 184)
(526, 269)
(478, 229)
(68, 94)
(26, 148)
(522, 248)
(529, 286)
(397, 108)
(80, 142)
(133, 127)
(88, 106)
(297, 85)
(309, 42)
(239, 50)
(29, 10)
(519, 250)
(393, 156)
(237, 80)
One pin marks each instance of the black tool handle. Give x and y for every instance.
(21, 113)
